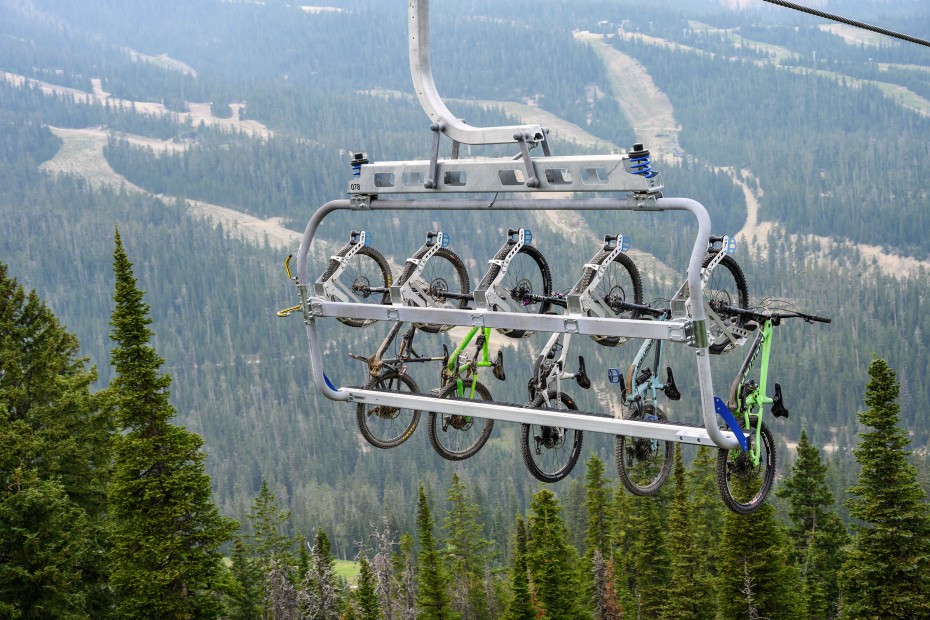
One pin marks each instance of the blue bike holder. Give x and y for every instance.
(724, 412)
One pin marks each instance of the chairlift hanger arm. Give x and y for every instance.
(422, 73)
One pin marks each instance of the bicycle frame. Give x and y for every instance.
(545, 375)
(751, 403)
(482, 359)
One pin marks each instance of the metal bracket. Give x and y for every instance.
(360, 202)
(571, 326)
(644, 201)
(696, 332)
(303, 291)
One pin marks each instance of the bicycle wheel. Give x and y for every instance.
(550, 452)
(366, 269)
(385, 426)
(527, 274)
(458, 437)
(643, 465)
(726, 285)
(444, 273)
(742, 485)
(621, 282)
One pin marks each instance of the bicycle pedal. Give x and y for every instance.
(778, 405)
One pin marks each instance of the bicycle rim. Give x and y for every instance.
(621, 282)
(550, 453)
(457, 437)
(383, 426)
(726, 285)
(643, 465)
(366, 268)
(743, 486)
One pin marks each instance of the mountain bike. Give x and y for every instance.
(516, 274)
(387, 426)
(643, 464)
(434, 276)
(609, 278)
(744, 477)
(455, 436)
(723, 282)
(357, 273)
(516, 271)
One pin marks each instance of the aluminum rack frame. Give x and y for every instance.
(687, 325)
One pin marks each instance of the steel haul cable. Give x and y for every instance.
(850, 22)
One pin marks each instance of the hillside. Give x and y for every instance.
(210, 136)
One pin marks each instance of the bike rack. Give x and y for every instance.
(548, 173)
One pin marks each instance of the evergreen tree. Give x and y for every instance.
(709, 509)
(433, 602)
(365, 597)
(466, 553)
(649, 556)
(165, 530)
(689, 595)
(54, 456)
(598, 537)
(756, 575)
(887, 568)
(598, 532)
(246, 599)
(406, 581)
(553, 561)
(319, 591)
(817, 533)
(519, 605)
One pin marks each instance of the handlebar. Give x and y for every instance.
(775, 317)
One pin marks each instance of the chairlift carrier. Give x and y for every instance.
(415, 182)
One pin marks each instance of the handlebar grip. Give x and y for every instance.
(513, 231)
(715, 239)
(819, 319)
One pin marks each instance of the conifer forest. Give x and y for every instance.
(165, 452)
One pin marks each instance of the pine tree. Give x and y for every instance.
(365, 597)
(817, 533)
(405, 571)
(649, 556)
(689, 595)
(433, 602)
(887, 569)
(519, 605)
(165, 529)
(756, 575)
(709, 509)
(245, 600)
(553, 561)
(54, 458)
(598, 537)
(319, 591)
(466, 553)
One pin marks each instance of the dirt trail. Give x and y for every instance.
(651, 114)
(81, 154)
(647, 108)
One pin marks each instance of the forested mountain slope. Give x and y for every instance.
(799, 114)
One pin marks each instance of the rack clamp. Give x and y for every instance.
(303, 291)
